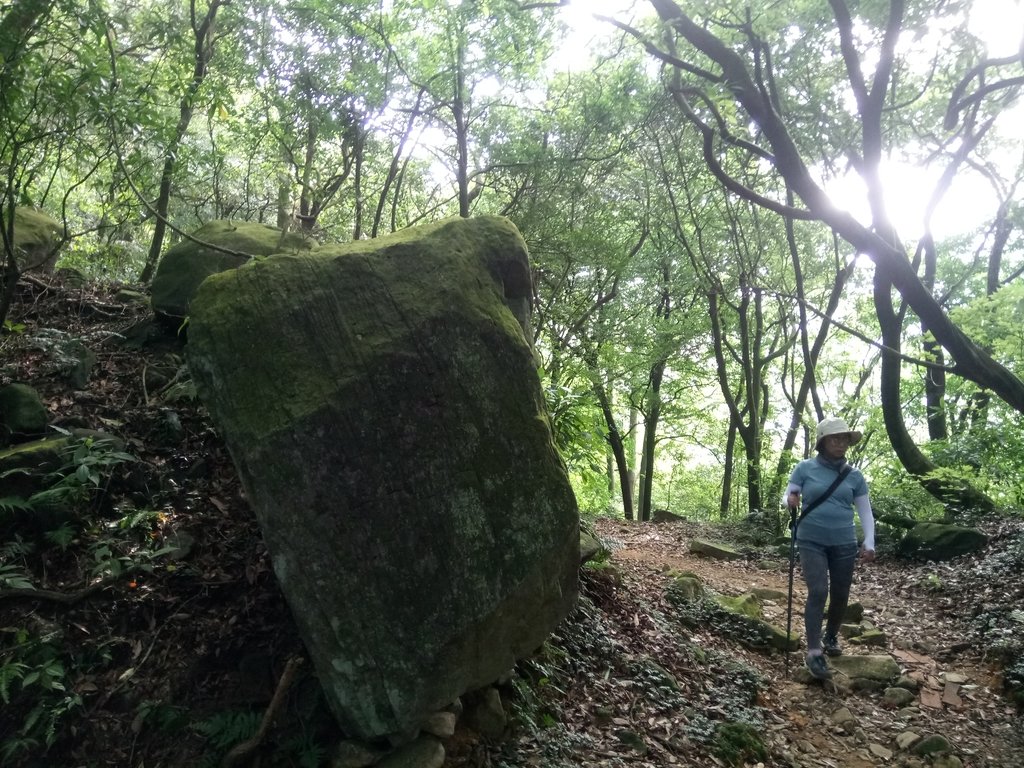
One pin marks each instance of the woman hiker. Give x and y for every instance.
(826, 537)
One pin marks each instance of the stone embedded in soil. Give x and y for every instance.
(713, 550)
(881, 752)
(842, 716)
(440, 724)
(854, 613)
(932, 745)
(872, 637)
(897, 697)
(907, 739)
(425, 752)
(880, 668)
(908, 682)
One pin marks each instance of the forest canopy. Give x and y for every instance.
(712, 196)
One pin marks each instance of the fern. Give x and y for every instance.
(307, 753)
(10, 672)
(16, 547)
(13, 504)
(180, 391)
(13, 577)
(141, 518)
(225, 729)
(62, 536)
(12, 746)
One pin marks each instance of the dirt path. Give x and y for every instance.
(958, 697)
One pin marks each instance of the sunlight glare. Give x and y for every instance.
(585, 32)
(1000, 23)
(908, 189)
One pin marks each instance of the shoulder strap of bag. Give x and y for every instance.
(831, 489)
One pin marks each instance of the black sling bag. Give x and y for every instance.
(831, 489)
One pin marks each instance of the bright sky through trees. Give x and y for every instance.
(999, 22)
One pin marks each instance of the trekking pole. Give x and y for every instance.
(792, 567)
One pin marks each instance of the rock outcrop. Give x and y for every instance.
(381, 403)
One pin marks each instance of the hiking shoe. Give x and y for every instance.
(831, 645)
(818, 667)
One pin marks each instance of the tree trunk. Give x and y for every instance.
(618, 448)
(9, 286)
(934, 378)
(359, 144)
(958, 497)
(728, 467)
(306, 217)
(461, 130)
(634, 426)
(203, 32)
(651, 439)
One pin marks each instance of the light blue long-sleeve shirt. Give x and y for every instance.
(831, 522)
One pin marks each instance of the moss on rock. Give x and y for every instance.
(382, 404)
(187, 264)
(36, 237)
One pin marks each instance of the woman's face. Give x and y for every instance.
(834, 446)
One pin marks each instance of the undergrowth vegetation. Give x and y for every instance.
(63, 523)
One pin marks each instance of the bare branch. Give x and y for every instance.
(655, 51)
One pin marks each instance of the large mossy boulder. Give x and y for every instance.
(382, 405)
(37, 240)
(939, 541)
(185, 265)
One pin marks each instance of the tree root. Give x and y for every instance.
(247, 747)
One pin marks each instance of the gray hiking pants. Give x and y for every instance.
(828, 573)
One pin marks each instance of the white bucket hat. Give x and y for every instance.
(835, 426)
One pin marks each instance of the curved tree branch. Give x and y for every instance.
(889, 257)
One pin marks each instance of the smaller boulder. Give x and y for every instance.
(713, 550)
(872, 637)
(907, 739)
(37, 240)
(939, 541)
(879, 669)
(441, 724)
(854, 613)
(851, 630)
(485, 713)
(591, 547)
(633, 740)
(355, 754)
(22, 413)
(933, 744)
(746, 604)
(895, 698)
(424, 752)
(187, 264)
(664, 516)
(687, 586)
